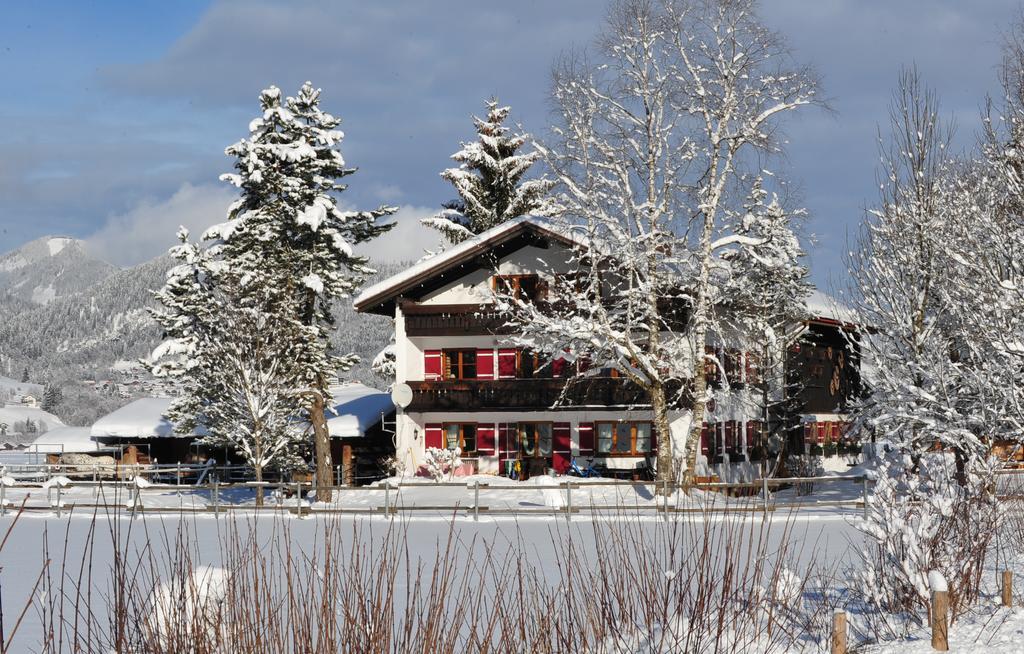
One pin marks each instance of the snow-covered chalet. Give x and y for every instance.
(472, 388)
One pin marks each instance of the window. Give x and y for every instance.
(521, 287)
(535, 439)
(712, 370)
(624, 438)
(531, 365)
(459, 364)
(461, 435)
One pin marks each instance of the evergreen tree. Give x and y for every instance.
(287, 246)
(24, 374)
(234, 352)
(489, 181)
(52, 396)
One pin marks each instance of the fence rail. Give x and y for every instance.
(573, 496)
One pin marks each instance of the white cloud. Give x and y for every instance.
(407, 241)
(149, 229)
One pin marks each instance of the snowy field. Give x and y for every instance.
(816, 544)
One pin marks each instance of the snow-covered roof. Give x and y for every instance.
(66, 439)
(144, 418)
(356, 408)
(826, 307)
(14, 413)
(467, 250)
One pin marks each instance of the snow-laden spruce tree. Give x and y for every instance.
(663, 132)
(286, 232)
(233, 354)
(490, 180)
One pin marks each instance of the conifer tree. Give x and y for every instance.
(286, 246)
(489, 181)
(233, 353)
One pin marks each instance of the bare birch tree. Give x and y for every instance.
(662, 136)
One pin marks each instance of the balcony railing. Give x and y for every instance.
(466, 320)
(526, 394)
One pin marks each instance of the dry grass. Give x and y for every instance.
(617, 583)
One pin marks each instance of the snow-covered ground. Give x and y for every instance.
(516, 519)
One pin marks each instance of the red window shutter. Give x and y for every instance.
(506, 364)
(704, 449)
(586, 438)
(433, 435)
(583, 364)
(835, 432)
(730, 434)
(561, 454)
(557, 367)
(821, 432)
(562, 435)
(485, 364)
(432, 365)
(485, 440)
(753, 368)
(753, 427)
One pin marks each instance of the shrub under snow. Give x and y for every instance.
(923, 519)
(441, 462)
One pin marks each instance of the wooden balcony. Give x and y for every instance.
(526, 394)
(453, 320)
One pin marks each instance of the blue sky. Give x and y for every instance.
(116, 114)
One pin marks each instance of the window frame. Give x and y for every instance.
(462, 435)
(633, 452)
(516, 285)
(459, 364)
(521, 451)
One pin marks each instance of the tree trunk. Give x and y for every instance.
(322, 445)
(697, 412)
(258, 471)
(665, 480)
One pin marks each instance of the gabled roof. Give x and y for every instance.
(508, 236)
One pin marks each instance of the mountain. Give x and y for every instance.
(73, 321)
(49, 268)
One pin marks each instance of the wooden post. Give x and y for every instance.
(865, 482)
(1007, 588)
(764, 492)
(568, 501)
(387, 498)
(476, 500)
(346, 463)
(839, 632)
(940, 621)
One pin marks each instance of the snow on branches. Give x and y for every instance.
(654, 135)
(247, 313)
(489, 181)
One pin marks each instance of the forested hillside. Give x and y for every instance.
(79, 333)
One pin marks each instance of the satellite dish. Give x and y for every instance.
(401, 395)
